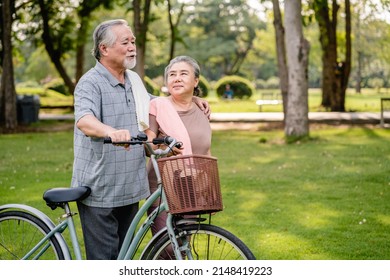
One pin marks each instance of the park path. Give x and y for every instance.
(247, 121)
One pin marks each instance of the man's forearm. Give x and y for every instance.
(92, 127)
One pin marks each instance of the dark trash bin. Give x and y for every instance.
(27, 107)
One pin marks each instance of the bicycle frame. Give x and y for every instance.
(133, 236)
(130, 245)
(186, 237)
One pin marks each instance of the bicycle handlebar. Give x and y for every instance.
(142, 138)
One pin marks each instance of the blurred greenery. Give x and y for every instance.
(367, 101)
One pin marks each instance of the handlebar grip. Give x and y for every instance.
(164, 140)
(141, 137)
(178, 145)
(157, 141)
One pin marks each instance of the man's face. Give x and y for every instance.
(123, 53)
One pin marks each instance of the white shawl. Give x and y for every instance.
(142, 100)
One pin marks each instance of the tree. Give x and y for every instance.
(61, 27)
(84, 12)
(370, 34)
(175, 37)
(142, 13)
(58, 33)
(57, 40)
(226, 29)
(281, 52)
(8, 116)
(335, 72)
(297, 49)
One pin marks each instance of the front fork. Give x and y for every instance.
(181, 242)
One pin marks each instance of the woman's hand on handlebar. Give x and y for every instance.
(175, 151)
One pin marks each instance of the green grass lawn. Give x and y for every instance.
(327, 198)
(324, 199)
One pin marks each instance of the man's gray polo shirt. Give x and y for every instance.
(117, 176)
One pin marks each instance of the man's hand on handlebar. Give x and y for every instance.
(121, 135)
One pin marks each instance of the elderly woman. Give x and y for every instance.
(178, 116)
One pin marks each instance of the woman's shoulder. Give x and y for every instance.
(159, 100)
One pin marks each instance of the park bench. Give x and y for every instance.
(385, 107)
(269, 98)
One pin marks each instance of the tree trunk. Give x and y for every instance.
(281, 53)
(8, 114)
(297, 120)
(80, 47)
(54, 54)
(84, 12)
(335, 73)
(348, 56)
(358, 86)
(327, 27)
(173, 26)
(173, 32)
(359, 56)
(141, 25)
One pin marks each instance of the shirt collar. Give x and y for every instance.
(105, 73)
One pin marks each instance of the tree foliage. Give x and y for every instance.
(227, 37)
(61, 27)
(226, 29)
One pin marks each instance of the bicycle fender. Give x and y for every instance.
(31, 210)
(42, 216)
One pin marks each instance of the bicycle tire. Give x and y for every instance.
(20, 232)
(208, 242)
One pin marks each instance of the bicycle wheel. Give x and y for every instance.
(20, 232)
(207, 242)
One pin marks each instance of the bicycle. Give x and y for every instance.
(28, 233)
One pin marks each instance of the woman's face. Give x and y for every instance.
(181, 79)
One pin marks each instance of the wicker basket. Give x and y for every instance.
(191, 184)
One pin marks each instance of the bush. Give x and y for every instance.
(151, 86)
(241, 87)
(376, 83)
(28, 84)
(58, 85)
(273, 83)
(204, 86)
(261, 84)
